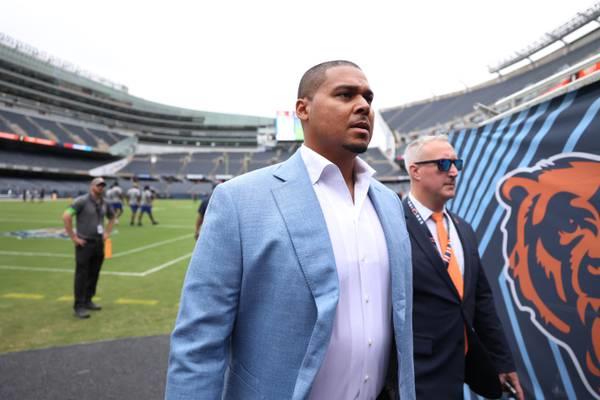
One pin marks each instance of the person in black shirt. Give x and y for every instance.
(88, 238)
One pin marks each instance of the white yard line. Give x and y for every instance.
(104, 270)
(149, 246)
(65, 270)
(116, 255)
(165, 265)
(190, 227)
(56, 221)
(33, 254)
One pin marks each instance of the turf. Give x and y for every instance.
(36, 277)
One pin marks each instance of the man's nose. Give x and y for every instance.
(453, 171)
(362, 105)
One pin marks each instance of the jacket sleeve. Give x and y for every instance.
(486, 321)
(209, 301)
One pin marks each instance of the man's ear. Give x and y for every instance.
(302, 108)
(413, 172)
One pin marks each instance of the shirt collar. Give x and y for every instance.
(316, 164)
(423, 211)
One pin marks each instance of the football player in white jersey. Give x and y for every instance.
(133, 198)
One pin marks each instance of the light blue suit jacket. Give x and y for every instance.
(261, 290)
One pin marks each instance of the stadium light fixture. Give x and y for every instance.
(578, 21)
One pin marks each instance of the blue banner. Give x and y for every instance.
(531, 190)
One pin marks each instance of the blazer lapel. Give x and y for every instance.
(419, 232)
(301, 211)
(398, 275)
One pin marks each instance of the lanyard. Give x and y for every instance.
(448, 251)
(98, 206)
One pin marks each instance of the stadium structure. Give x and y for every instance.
(561, 60)
(60, 125)
(537, 241)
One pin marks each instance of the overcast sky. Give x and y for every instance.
(247, 57)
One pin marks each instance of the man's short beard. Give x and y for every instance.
(356, 148)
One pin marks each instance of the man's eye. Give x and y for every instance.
(345, 95)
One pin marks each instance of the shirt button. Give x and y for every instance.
(366, 378)
(366, 299)
(370, 342)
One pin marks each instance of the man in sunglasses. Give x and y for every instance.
(458, 337)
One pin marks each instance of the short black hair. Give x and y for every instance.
(315, 76)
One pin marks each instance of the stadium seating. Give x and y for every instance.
(23, 125)
(83, 122)
(4, 126)
(47, 161)
(432, 112)
(380, 163)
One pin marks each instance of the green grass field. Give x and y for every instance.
(139, 287)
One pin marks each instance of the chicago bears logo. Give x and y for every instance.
(552, 252)
(45, 233)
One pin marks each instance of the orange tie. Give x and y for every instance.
(453, 269)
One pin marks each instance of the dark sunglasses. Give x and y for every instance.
(444, 164)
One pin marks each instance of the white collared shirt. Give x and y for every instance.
(454, 238)
(356, 360)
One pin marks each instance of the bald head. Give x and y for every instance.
(315, 76)
(414, 150)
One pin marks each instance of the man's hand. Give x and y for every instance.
(109, 228)
(78, 241)
(513, 379)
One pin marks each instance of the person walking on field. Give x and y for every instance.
(133, 200)
(146, 205)
(114, 196)
(90, 211)
(300, 284)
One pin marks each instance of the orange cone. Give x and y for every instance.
(108, 248)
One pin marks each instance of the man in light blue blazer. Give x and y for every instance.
(300, 286)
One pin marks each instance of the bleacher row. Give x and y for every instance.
(231, 163)
(70, 188)
(63, 132)
(429, 113)
(168, 172)
(47, 161)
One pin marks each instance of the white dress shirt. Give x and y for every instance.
(454, 238)
(356, 360)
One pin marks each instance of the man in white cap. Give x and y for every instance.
(89, 238)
